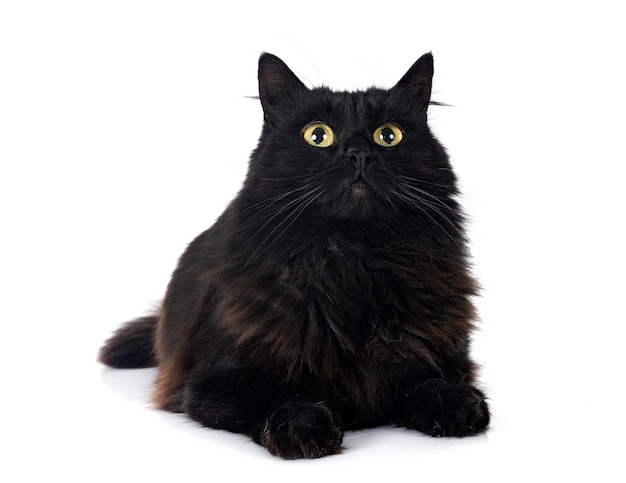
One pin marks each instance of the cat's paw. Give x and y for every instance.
(301, 430)
(449, 410)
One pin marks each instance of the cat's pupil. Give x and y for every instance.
(318, 135)
(387, 135)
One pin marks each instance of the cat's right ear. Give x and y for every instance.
(277, 83)
(417, 82)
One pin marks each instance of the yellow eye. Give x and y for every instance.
(319, 135)
(388, 135)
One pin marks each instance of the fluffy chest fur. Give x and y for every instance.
(343, 314)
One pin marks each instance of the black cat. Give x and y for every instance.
(334, 291)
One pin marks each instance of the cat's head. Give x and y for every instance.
(358, 156)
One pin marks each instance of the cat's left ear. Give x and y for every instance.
(277, 83)
(418, 80)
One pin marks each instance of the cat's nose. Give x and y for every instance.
(357, 156)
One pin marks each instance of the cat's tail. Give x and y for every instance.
(132, 345)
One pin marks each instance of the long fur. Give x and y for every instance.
(334, 291)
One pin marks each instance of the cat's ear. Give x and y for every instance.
(276, 82)
(417, 82)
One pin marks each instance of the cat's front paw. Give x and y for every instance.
(301, 430)
(448, 410)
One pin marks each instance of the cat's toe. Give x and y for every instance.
(449, 410)
(301, 430)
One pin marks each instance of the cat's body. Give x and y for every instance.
(333, 292)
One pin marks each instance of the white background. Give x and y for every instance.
(125, 128)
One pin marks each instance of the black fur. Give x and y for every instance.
(132, 345)
(334, 291)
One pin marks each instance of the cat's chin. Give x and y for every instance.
(357, 201)
(359, 189)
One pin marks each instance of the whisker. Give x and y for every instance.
(300, 209)
(286, 178)
(268, 218)
(417, 203)
(258, 216)
(301, 203)
(417, 180)
(266, 203)
(392, 203)
(440, 205)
